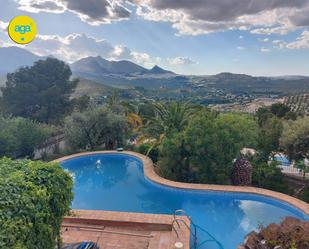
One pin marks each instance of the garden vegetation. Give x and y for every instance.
(188, 143)
(34, 198)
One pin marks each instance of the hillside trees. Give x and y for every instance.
(295, 138)
(271, 120)
(279, 110)
(40, 92)
(269, 134)
(96, 127)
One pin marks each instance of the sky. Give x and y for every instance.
(194, 37)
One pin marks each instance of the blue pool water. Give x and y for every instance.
(117, 183)
(283, 160)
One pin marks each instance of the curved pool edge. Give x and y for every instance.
(150, 173)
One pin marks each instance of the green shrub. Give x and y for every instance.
(269, 176)
(20, 136)
(205, 150)
(305, 195)
(153, 154)
(34, 196)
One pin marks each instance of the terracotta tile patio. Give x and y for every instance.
(120, 230)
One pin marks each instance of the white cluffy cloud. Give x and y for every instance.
(301, 42)
(188, 17)
(181, 61)
(76, 46)
(264, 50)
(264, 40)
(3, 25)
(206, 16)
(121, 52)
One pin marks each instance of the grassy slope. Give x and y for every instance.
(92, 89)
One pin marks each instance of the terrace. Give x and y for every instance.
(134, 228)
(112, 230)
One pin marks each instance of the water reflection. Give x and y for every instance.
(118, 184)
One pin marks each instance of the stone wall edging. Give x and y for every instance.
(150, 174)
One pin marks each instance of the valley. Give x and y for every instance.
(99, 78)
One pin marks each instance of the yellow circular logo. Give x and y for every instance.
(22, 29)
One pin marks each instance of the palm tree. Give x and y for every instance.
(168, 118)
(132, 113)
(135, 121)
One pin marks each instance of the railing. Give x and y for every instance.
(194, 232)
(177, 220)
(292, 170)
(288, 169)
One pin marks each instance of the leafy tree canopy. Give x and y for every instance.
(278, 110)
(20, 136)
(96, 127)
(34, 196)
(269, 135)
(295, 138)
(41, 92)
(207, 147)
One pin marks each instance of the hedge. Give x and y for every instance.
(34, 197)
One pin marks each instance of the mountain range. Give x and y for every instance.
(99, 66)
(12, 58)
(126, 74)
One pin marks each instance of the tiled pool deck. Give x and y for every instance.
(122, 230)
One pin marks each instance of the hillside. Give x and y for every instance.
(92, 89)
(298, 103)
(99, 92)
(12, 58)
(238, 83)
(158, 83)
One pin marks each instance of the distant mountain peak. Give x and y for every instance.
(158, 70)
(98, 65)
(155, 67)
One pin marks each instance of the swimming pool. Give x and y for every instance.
(116, 182)
(282, 160)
